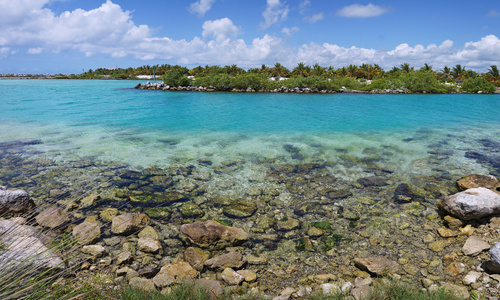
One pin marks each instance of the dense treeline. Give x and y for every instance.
(351, 77)
(365, 77)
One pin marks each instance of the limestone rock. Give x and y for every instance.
(149, 245)
(129, 223)
(87, 232)
(250, 276)
(123, 258)
(230, 260)
(213, 235)
(174, 273)
(142, 283)
(475, 181)
(456, 268)
(25, 247)
(14, 201)
(52, 217)
(472, 277)
(231, 277)
(474, 246)
(95, 250)
(376, 265)
(494, 264)
(472, 204)
(149, 232)
(196, 257)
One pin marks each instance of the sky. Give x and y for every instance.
(72, 36)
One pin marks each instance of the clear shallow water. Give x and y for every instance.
(107, 120)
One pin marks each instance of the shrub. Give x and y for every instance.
(476, 84)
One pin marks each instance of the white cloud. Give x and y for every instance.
(275, 12)
(35, 50)
(201, 7)
(290, 31)
(110, 31)
(493, 13)
(315, 18)
(361, 11)
(220, 29)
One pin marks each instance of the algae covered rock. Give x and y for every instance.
(475, 181)
(52, 217)
(213, 235)
(240, 208)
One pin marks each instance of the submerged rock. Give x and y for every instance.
(52, 217)
(475, 181)
(472, 204)
(211, 234)
(129, 223)
(15, 201)
(87, 232)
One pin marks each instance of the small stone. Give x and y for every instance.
(361, 292)
(90, 200)
(142, 283)
(314, 232)
(94, 250)
(129, 223)
(456, 268)
(438, 246)
(453, 223)
(124, 257)
(174, 273)
(467, 230)
(148, 245)
(287, 225)
(445, 232)
(426, 282)
(377, 265)
(322, 278)
(231, 277)
(250, 276)
(474, 246)
(287, 291)
(256, 260)
(149, 232)
(213, 235)
(230, 260)
(109, 213)
(196, 257)
(52, 217)
(86, 233)
(472, 277)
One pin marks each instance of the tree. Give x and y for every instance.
(458, 71)
(493, 74)
(301, 69)
(405, 67)
(176, 77)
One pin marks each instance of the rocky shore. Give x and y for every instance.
(284, 230)
(163, 87)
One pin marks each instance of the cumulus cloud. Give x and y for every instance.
(109, 30)
(361, 11)
(290, 31)
(201, 7)
(304, 5)
(315, 18)
(275, 12)
(220, 29)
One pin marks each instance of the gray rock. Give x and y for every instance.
(129, 223)
(123, 258)
(213, 235)
(494, 264)
(26, 248)
(52, 217)
(15, 201)
(472, 204)
(230, 260)
(474, 246)
(87, 232)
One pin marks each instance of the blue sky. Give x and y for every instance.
(68, 36)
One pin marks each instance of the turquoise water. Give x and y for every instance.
(109, 121)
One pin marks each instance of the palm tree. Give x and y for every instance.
(427, 67)
(405, 67)
(352, 70)
(301, 69)
(493, 73)
(317, 70)
(457, 71)
(280, 71)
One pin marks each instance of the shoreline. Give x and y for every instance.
(163, 87)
